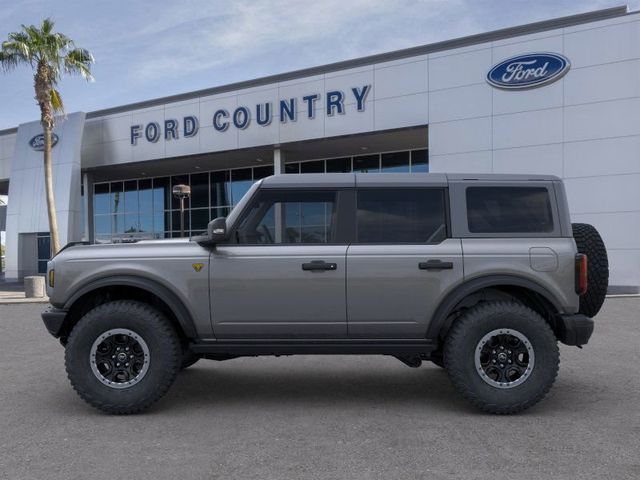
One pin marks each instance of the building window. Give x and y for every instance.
(44, 250)
(415, 161)
(396, 162)
(130, 210)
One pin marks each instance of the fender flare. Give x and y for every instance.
(446, 306)
(177, 307)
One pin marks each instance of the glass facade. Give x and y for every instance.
(402, 161)
(130, 210)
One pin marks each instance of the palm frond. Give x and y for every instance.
(78, 61)
(56, 101)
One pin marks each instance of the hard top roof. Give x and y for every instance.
(345, 180)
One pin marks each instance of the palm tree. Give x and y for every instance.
(50, 55)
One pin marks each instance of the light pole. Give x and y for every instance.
(181, 192)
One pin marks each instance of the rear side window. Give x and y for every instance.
(509, 210)
(406, 215)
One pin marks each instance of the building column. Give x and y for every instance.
(278, 161)
(87, 186)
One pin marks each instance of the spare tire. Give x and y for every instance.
(589, 242)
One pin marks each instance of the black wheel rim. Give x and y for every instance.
(504, 358)
(119, 358)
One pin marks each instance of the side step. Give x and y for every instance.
(314, 347)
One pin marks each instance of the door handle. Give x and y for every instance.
(435, 265)
(319, 266)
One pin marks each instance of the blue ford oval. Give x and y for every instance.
(37, 142)
(528, 71)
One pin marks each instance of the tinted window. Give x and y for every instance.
(509, 210)
(278, 217)
(408, 215)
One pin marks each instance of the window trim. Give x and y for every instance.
(445, 203)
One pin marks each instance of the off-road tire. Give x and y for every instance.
(589, 242)
(463, 340)
(165, 356)
(437, 358)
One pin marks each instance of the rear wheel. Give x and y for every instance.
(589, 242)
(122, 356)
(501, 356)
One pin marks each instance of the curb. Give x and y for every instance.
(17, 301)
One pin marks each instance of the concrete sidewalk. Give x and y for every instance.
(13, 292)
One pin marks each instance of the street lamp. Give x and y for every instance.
(181, 192)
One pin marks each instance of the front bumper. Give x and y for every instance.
(53, 319)
(574, 329)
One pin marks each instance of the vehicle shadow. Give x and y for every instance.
(202, 385)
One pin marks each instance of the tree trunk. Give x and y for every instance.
(51, 204)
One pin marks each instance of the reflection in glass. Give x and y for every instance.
(101, 199)
(241, 181)
(146, 222)
(199, 190)
(395, 162)
(116, 197)
(220, 188)
(145, 196)
(179, 180)
(161, 194)
(131, 196)
(102, 224)
(312, 167)
(131, 223)
(366, 164)
(199, 218)
(292, 168)
(420, 161)
(339, 165)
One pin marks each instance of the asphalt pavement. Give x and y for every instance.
(340, 417)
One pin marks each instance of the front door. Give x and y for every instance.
(284, 274)
(401, 262)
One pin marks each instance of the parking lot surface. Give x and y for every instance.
(340, 417)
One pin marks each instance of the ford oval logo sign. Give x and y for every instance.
(528, 71)
(37, 142)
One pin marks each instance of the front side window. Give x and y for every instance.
(509, 210)
(403, 215)
(289, 217)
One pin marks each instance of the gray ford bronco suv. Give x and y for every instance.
(479, 274)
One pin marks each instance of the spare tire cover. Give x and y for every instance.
(589, 242)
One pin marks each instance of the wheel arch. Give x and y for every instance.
(119, 287)
(530, 292)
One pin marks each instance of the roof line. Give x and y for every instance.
(503, 33)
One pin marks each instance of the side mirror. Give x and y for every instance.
(216, 232)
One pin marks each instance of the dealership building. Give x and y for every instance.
(557, 97)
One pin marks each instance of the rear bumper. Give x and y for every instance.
(53, 319)
(574, 329)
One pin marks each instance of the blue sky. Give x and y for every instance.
(148, 49)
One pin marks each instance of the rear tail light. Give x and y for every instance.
(581, 274)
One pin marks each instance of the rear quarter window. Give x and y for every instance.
(509, 210)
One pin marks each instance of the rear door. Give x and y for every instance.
(401, 263)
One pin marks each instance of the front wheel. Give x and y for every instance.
(122, 356)
(502, 356)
